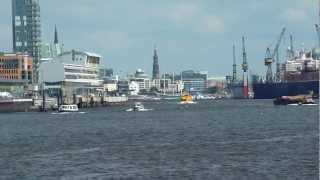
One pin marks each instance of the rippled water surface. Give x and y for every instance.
(226, 139)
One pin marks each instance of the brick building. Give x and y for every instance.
(16, 67)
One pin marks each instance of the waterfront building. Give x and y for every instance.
(73, 66)
(15, 87)
(110, 85)
(75, 72)
(123, 87)
(15, 66)
(155, 70)
(106, 73)
(194, 82)
(134, 88)
(143, 80)
(27, 31)
(218, 82)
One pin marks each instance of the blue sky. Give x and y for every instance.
(189, 34)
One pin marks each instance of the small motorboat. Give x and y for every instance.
(138, 106)
(69, 108)
(294, 100)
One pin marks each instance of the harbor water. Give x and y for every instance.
(218, 139)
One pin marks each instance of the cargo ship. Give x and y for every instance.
(299, 75)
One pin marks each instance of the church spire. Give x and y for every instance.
(155, 71)
(55, 35)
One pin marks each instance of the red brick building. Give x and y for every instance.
(16, 67)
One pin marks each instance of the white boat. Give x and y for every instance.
(68, 108)
(138, 106)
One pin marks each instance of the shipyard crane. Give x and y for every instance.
(244, 56)
(234, 66)
(270, 58)
(245, 69)
(318, 26)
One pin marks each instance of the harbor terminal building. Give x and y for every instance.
(71, 73)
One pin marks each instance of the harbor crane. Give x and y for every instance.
(318, 26)
(234, 66)
(270, 58)
(318, 33)
(245, 69)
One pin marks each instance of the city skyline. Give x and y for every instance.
(189, 35)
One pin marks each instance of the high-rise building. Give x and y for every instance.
(155, 71)
(27, 31)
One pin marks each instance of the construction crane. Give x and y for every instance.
(245, 69)
(270, 58)
(244, 56)
(234, 72)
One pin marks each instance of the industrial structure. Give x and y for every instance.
(270, 59)
(234, 66)
(26, 29)
(245, 70)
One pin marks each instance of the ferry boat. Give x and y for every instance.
(186, 98)
(68, 108)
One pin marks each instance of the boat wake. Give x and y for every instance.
(187, 102)
(141, 110)
(303, 104)
(62, 113)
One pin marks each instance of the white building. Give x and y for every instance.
(134, 88)
(142, 79)
(74, 67)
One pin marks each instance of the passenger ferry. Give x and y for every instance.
(186, 98)
(68, 108)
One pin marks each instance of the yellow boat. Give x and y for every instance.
(186, 98)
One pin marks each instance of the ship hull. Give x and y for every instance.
(274, 90)
(237, 91)
(20, 105)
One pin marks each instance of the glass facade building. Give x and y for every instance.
(27, 30)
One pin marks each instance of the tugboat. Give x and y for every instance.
(294, 100)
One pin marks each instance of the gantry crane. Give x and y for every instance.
(270, 58)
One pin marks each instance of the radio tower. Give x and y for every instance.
(245, 69)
